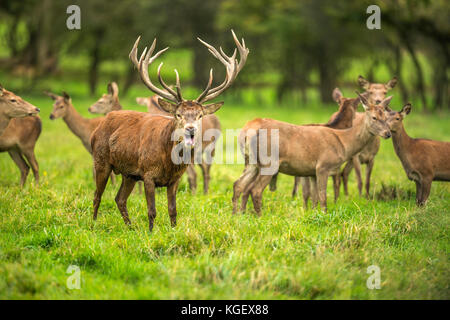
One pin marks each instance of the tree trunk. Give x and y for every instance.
(95, 62)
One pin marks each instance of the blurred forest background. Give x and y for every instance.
(299, 50)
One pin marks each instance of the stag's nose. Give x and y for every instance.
(190, 129)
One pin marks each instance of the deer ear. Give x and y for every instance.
(391, 83)
(337, 95)
(363, 100)
(406, 110)
(363, 83)
(211, 108)
(385, 103)
(66, 96)
(51, 95)
(113, 89)
(167, 106)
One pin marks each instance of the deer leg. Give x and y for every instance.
(322, 179)
(418, 192)
(240, 185)
(149, 188)
(101, 179)
(206, 177)
(426, 188)
(122, 196)
(139, 187)
(256, 192)
(368, 175)
(245, 195)
(23, 166)
(357, 166)
(113, 178)
(336, 186)
(192, 178)
(345, 173)
(172, 202)
(295, 189)
(306, 189)
(314, 192)
(33, 164)
(273, 182)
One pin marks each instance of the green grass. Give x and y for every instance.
(287, 253)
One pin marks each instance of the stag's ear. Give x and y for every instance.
(211, 108)
(337, 95)
(363, 100)
(113, 89)
(406, 109)
(167, 106)
(385, 103)
(1, 90)
(363, 83)
(66, 96)
(391, 83)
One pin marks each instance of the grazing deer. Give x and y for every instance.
(20, 134)
(80, 126)
(208, 122)
(139, 146)
(424, 160)
(341, 119)
(307, 151)
(13, 106)
(376, 92)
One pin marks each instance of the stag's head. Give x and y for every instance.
(60, 106)
(13, 106)
(376, 116)
(188, 113)
(395, 119)
(108, 101)
(376, 92)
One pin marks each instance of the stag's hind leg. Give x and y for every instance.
(101, 174)
(149, 188)
(23, 166)
(122, 196)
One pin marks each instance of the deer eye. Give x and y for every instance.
(374, 118)
(13, 100)
(178, 116)
(397, 119)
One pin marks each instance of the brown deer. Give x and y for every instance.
(142, 146)
(108, 102)
(19, 136)
(208, 122)
(376, 92)
(424, 160)
(341, 119)
(13, 106)
(307, 151)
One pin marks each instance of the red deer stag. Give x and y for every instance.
(424, 160)
(19, 132)
(140, 146)
(208, 122)
(306, 151)
(376, 92)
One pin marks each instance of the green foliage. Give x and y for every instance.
(287, 253)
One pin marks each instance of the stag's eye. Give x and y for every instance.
(397, 118)
(374, 118)
(178, 116)
(13, 100)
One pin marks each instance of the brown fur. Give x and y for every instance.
(208, 122)
(308, 151)
(375, 92)
(423, 160)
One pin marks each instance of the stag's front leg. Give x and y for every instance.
(122, 196)
(172, 202)
(149, 188)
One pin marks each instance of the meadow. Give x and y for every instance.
(288, 253)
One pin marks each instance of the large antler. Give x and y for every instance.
(232, 68)
(142, 65)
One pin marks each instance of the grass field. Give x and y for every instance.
(287, 253)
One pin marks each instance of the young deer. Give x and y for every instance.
(19, 136)
(208, 122)
(376, 92)
(423, 160)
(80, 126)
(307, 151)
(13, 106)
(341, 119)
(140, 146)
(108, 101)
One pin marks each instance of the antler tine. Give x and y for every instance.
(178, 86)
(233, 67)
(171, 91)
(208, 86)
(142, 65)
